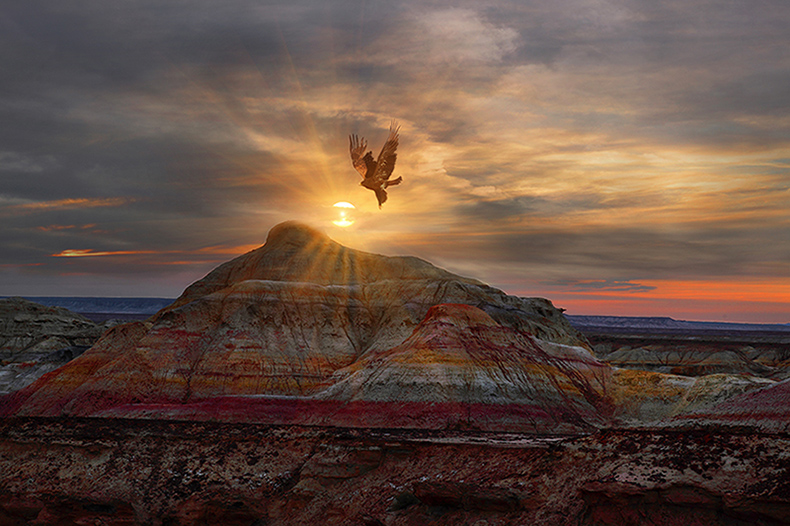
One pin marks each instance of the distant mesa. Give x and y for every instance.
(306, 331)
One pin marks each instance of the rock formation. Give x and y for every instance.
(306, 331)
(35, 339)
(286, 319)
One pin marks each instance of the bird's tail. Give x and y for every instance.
(381, 195)
(399, 180)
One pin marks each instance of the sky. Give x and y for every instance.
(623, 157)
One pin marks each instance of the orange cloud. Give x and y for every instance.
(55, 228)
(91, 253)
(66, 204)
(213, 250)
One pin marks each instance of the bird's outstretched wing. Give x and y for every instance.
(357, 147)
(387, 157)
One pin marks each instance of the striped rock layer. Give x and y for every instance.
(297, 330)
(306, 331)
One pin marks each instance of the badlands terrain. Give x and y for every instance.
(36, 339)
(306, 382)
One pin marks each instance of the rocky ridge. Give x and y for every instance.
(36, 339)
(645, 398)
(700, 359)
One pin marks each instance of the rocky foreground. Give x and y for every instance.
(96, 471)
(309, 383)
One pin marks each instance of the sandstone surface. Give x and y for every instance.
(36, 339)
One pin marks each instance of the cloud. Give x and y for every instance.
(83, 253)
(606, 285)
(49, 228)
(66, 204)
(16, 162)
(461, 36)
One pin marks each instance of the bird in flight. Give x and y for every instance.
(376, 174)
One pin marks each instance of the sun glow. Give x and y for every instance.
(345, 218)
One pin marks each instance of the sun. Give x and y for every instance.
(345, 217)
